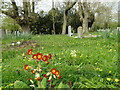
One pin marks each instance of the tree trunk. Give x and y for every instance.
(64, 24)
(53, 14)
(85, 20)
(25, 29)
(85, 25)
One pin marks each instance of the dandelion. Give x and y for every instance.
(11, 84)
(116, 80)
(100, 70)
(110, 50)
(111, 33)
(59, 58)
(108, 79)
(23, 54)
(109, 71)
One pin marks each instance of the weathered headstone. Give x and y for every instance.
(79, 30)
(15, 33)
(69, 31)
(118, 28)
(18, 33)
(6, 31)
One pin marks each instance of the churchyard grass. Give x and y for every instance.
(94, 63)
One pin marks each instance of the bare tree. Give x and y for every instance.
(53, 14)
(83, 13)
(69, 5)
(25, 18)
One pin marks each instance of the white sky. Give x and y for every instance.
(46, 5)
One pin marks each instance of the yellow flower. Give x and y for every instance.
(59, 58)
(23, 60)
(11, 84)
(29, 60)
(109, 71)
(97, 69)
(35, 78)
(0, 88)
(23, 54)
(111, 33)
(116, 80)
(108, 79)
(110, 50)
(0, 66)
(69, 75)
(100, 70)
(95, 63)
(59, 63)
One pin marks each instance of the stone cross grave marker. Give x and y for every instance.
(69, 31)
(79, 30)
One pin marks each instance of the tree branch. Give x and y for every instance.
(68, 7)
(15, 8)
(8, 14)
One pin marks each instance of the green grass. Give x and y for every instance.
(100, 52)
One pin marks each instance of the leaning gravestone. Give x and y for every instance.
(79, 30)
(69, 31)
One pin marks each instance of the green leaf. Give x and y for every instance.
(43, 83)
(60, 85)
(20, 84)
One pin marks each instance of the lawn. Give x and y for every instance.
(93, 65)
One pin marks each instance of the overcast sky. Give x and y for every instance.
(46, 5)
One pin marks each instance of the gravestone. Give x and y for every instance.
(118, 28)
(69, 31)
(6, 31)
(15, 33)
(18, 33)
(79, 30)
